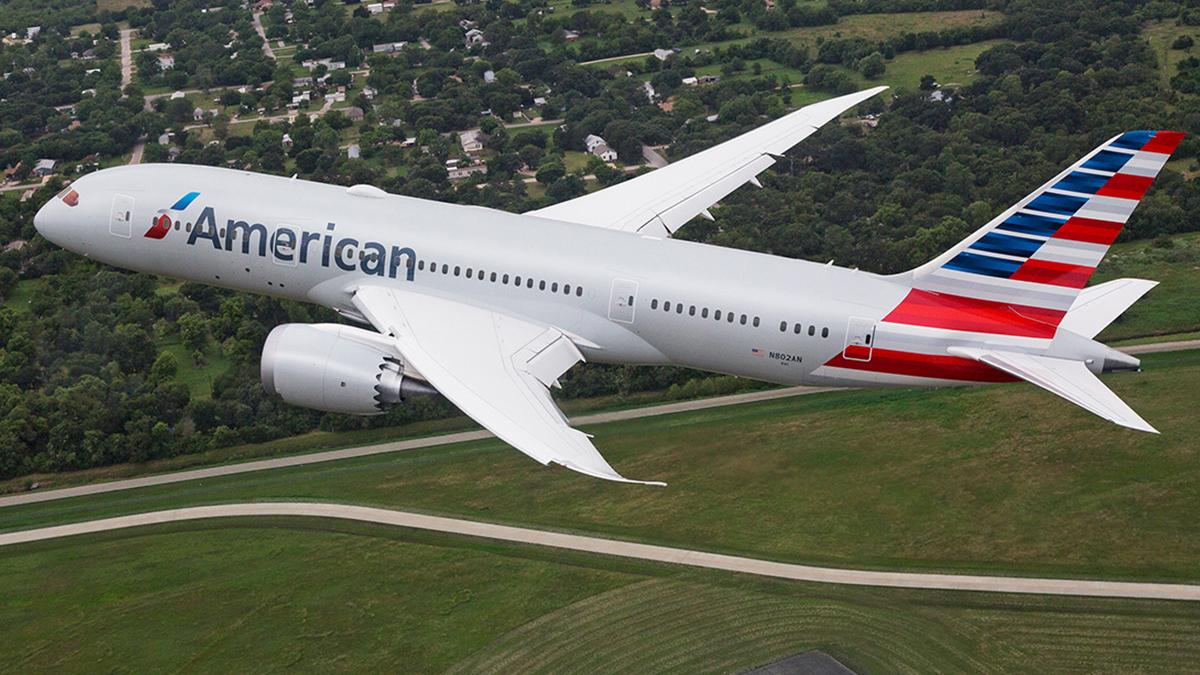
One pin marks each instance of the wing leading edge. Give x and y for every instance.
(660, 202)
(496, 368)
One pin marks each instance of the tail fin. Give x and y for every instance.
(1033, 259)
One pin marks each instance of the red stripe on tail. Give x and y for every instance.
(1126, 186)
(954, 312)
(1163, 142)
(1054, 273)
(1089, 230)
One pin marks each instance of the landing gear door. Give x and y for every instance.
(120, 222)
(623, 300)
(860, 334)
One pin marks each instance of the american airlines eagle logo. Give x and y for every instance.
(162, 222)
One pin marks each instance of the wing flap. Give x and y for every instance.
(494, 367)
(661, 201)
(1069, 379)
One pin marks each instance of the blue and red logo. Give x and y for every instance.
(162, 222)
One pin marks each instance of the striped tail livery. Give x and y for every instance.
(1009, 302)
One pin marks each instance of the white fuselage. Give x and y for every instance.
(313, 239)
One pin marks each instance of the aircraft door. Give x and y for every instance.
(860, 334)
(120, 222)
(623, 300)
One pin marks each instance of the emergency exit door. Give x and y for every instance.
(120, 223)
(860, 333)
(622, 301)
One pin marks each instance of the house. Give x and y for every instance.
(335, 96)
(44, 167)
(466, 24)
(388, 47)
(305, 81)
(709, 79)
(539, 100)
(158, 47)
(690, 81)
(461, 172)
(592, 141)
(489, 76)
(471, 140)
(353, 113)
(164, 139)
(375, 8)
(663, 54)
(604, 152)
(15, 245)
(649, 89)
(353, 151)
(301, 98)
(32, 32)
(166, 62)
(474, 37)
(287, 141)
(330, 64)
(570, 35)
(177, 95)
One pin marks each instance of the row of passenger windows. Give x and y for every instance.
(717, 315)
(494, 277)
(798, 328)
(728, 317)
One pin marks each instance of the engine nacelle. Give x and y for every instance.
(335, 368)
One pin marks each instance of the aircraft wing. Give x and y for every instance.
(496, 368)
(660, 202)
(1069, 379)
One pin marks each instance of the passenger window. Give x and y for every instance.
(579, 291)
(743, 321)
(679, 308)
(457, 270)
(445, 268)
(493, 277)
(468, 272)
(421, 265)
(504, 280)
(529, 283)
(704, 313)
(717, 315)
(654, 304)
(824, 332)
(667, 306)
(782, 326)
(517, 281)
(812, 330)
(692, 310)
(756, 322)
(730, 317)
(542, 285)
(797, 331)
(554, 287)
(567, 291)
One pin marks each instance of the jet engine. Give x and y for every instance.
(336, 368)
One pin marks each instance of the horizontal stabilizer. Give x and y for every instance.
(1100, 305)
(1069, 379)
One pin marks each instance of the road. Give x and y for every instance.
(625, 549)
(263, 34)
(615, 58)
(460, 437)
(126, 59)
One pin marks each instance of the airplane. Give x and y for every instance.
(490, 308)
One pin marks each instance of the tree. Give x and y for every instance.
(193, 330)
(871, 66)
(550, 171)
(928, 83)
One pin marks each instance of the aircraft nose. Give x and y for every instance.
(44, 220)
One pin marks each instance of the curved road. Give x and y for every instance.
(626, 549)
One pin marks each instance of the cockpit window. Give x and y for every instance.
(69, 196)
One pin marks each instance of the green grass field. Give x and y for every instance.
(1174, 305)
(1161, 34)
(1004, 479)
(241, 595)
